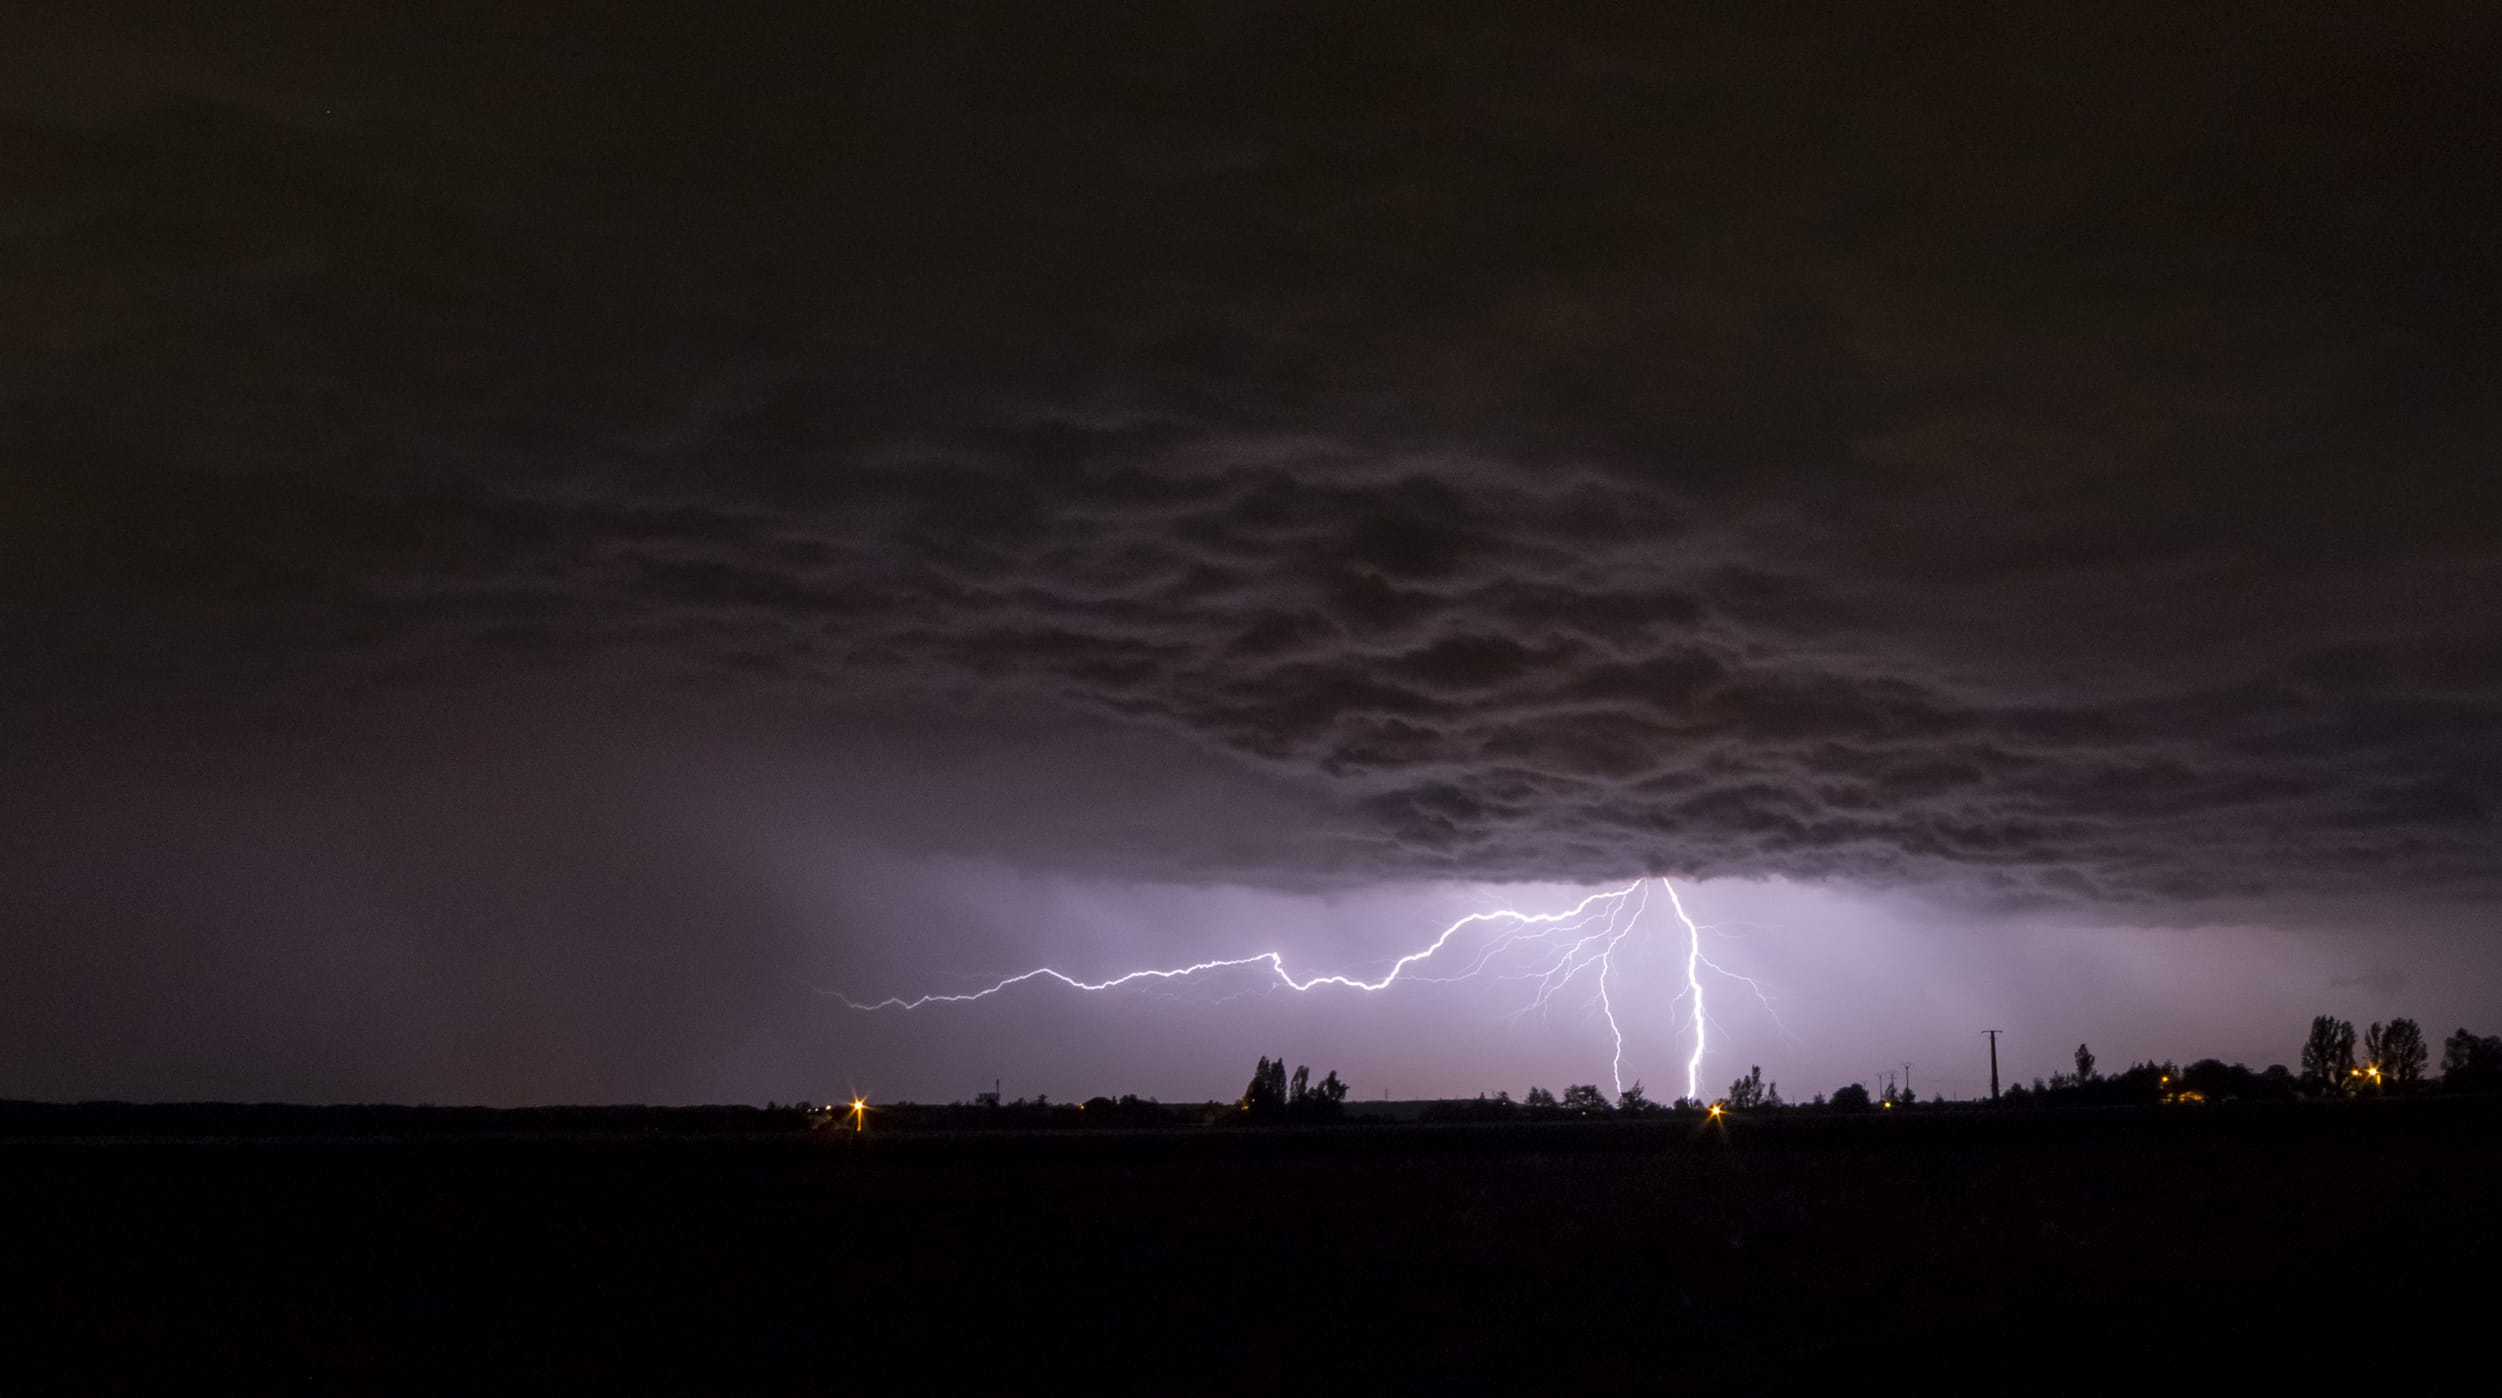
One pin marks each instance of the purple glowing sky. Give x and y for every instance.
(406, 908)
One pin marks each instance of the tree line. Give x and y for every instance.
(2394, 1058)
(2386, 1059)
(2391, 1058)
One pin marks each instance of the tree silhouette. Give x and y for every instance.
(1266, 1095)
(2471, 1063)
(1539, 1100)
(2397, 1049)
(2408, 1053)
(1273, 1094)
(2328, 1055)
(1584, 1098)
(1318, 1101)
(1749, 1091)
(2084, 1064)
(1853, 1098)
(1631, 1101)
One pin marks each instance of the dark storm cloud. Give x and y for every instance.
(2055, 455)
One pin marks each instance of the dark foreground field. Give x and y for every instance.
(2166, 1248)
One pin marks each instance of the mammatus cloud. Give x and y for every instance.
(1561, 452)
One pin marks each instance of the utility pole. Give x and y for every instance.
(1906, 1079)
(1993, 1061)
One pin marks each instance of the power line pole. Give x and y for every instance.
(1993, 1061)
(1906, 1079)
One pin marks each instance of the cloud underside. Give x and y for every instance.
(2053, 460)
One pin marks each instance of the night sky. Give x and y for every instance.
(538, 544)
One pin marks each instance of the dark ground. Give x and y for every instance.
(2292, 1246)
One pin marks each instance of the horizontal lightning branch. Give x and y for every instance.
(1596, 927)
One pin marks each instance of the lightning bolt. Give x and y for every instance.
(1693, 987)
(1607, 1007)
(1596, 927)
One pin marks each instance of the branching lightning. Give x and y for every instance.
(1571, 942)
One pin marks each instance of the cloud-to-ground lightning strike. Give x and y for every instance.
(1693, 987)
(1613, 914)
